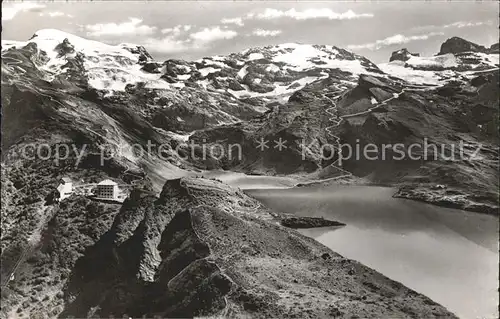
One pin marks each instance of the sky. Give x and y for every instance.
(194, 29)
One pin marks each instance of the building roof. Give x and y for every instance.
(107, 182)
(66, 179)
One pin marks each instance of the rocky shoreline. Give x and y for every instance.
(440, 195)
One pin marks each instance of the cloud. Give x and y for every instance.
(465, 24)
(393, 40)
(168, 44)
(56, 14)
(458, 25)
(307, 14)
(176, 40)
(10, 11)
(238, 21)
(131, 27)
(313, 13)
(212, 34)
(266, 33)
(177, 29)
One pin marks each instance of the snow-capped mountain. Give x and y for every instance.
(105, 66)
(270, 73)
(457, 59)
(260, 72)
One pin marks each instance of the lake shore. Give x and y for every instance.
(415, 243)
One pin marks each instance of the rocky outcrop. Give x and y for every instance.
(142, 53)
(402, 55)
(64, 48)
(175, 67)
(458, 45)
(151, 67)
(369, 82)
(308, 222)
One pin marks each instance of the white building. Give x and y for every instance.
(107, 189)
(65, 189)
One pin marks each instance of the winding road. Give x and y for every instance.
(16, 63)
(336, 120)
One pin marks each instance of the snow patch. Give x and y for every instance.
(272, 68)
(300, 57)
(279, 90)
(206, 71)
(243, 72)
(443, 61)
(255, 56)
(489, 59)
(397, 69)
(211, 61)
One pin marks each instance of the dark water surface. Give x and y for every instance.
(446, 254)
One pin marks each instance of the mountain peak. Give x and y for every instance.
(402, 55)
(48, 39)
(458, 45)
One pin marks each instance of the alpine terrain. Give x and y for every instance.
(186, 241)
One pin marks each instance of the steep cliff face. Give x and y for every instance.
(201, 248)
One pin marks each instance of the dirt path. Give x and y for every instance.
(336, 120)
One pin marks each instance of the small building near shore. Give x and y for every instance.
(107, 189)
(65, 188)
